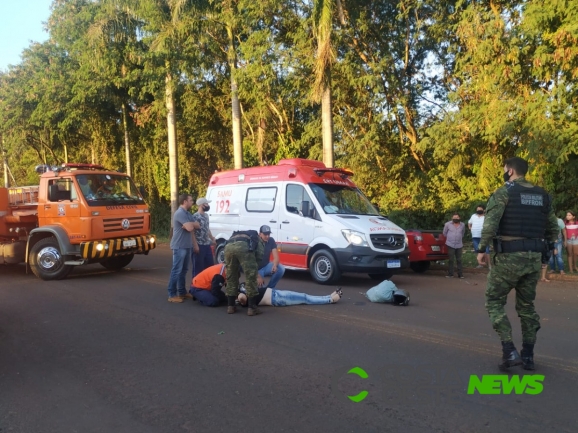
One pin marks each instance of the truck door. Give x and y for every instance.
(63, 207)
(296, 231)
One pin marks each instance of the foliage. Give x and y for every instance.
(428, 97)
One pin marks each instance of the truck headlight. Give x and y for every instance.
(355, 238)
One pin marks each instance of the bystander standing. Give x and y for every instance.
(475, 225)
(454, 233)
(203, 239)
(181, 245)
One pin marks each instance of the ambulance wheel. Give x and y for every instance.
(46, 260)
(323, 267)
(420, 267)
(381, 277)
(220, 253)
(118, 262)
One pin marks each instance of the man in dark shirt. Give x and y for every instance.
(266, 268)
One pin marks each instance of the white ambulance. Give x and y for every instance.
(320, 220)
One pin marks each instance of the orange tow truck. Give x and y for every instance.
(79, 214)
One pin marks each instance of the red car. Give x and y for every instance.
(425, 246)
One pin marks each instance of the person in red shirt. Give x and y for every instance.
(206, 286)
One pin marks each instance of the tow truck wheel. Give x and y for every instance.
(420, 267)
(220, 253)
(323, 267)
(118, 262)
(46, 260)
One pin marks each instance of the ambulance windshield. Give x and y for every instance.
(108, 189)
(341, 199)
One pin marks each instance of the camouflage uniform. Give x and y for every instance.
(518, 270)
(237, 255)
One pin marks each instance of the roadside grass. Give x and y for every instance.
(163, 239)
(470, 260)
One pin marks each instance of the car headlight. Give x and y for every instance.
(355, 238)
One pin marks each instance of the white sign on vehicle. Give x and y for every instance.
(435, 247)
(394, 264)
(129, 243)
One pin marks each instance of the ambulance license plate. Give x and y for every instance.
(129, 243)
(435, 247)
(394, 264)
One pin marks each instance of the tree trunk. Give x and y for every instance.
(236, 106)
(5, 164)
(327, 123)
(126, 140)
(261, 138)
(172, 137)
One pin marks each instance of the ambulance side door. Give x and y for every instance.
(296, 231)
(262, 208)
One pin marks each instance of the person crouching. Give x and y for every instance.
(207, 286)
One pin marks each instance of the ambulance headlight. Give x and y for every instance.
(355, 238)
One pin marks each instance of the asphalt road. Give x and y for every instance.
(105, 352)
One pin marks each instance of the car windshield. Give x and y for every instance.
(341, 199)
(108, 189)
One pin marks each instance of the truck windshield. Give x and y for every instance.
(341, 199)
(108, 189)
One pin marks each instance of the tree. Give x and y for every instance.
(167, 25)
(323, 12)
(114, 38)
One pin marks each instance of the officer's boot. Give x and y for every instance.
(528, 356)
(253, 310)
(231, 309)
(510, 356)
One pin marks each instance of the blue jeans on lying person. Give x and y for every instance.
(557, 259)
(284, 298)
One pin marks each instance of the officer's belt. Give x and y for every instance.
(528, 245)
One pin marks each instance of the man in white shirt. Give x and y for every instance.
(475, 225)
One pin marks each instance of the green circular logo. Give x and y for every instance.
(361, 373)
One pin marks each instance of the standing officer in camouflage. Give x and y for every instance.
(244, 249)
(521, 224)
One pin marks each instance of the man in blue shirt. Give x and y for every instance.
(274, 268)
(181, 244)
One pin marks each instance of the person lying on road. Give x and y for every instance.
(284, 298)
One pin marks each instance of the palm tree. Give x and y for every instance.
(168, 23)
(114, 36)
(323, 11)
